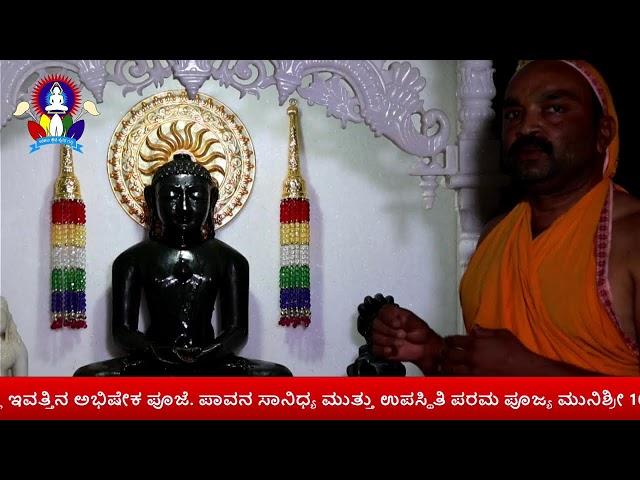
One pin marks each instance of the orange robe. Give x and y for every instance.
(552, 292)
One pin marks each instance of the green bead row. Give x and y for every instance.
(295, 276)
(68, 279)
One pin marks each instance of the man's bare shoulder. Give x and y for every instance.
(624, 205)
(626, 225)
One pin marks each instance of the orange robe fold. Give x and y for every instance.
(552, 292)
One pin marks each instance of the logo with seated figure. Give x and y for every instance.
(56, 112)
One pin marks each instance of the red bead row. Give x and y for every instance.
(68, 211)
(294, 210)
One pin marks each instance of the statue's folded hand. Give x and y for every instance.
(211, 351)
(188, 354)
(164, 353)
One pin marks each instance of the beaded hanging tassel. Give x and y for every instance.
(68, 239)
(295, 296)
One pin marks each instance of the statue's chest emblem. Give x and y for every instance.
(182, 277)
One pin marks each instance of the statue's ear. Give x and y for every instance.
(150, 207)
(149, 197)
(210, 225)
(215, 196)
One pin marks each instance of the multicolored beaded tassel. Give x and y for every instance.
(68, 240)
(295, 295)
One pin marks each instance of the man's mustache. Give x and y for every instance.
(528, 141)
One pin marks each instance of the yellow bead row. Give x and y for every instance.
(70, 235)
(294, 233)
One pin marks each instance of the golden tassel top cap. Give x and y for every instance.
(294, 186)
(292, 109)
(67, 186)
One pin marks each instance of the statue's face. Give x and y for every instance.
(183, 202)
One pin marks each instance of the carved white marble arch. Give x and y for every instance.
(384, 97)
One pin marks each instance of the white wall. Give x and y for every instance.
(370, 232)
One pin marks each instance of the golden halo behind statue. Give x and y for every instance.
(167, 123)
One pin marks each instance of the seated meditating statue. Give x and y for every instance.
(181, 269)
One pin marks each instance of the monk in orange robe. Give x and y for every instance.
(553, 287)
